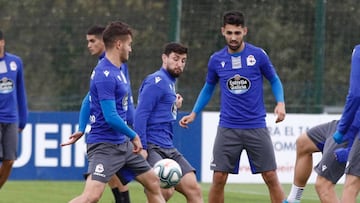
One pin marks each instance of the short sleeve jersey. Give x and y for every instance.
(108, 82)
(240, 77)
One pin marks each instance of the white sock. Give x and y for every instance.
(295, 193)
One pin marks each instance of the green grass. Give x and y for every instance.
(63, 191)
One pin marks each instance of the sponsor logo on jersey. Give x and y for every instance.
(236, 62)
(6, 85)
(106, 73)
(222, 64)
(157, 79)
(238, 84)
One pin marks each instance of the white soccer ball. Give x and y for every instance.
(169, 172)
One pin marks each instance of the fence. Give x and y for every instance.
(309, 42)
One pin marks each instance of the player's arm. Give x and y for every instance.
(278, 91)
(131, 108)
(21, 96)
(148, 96)
(112, 117)
(202, 100)
(84, 115)
(131, 111)
(352, 103)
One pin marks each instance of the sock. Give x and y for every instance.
(295, 193)
(125, 198)
(120, 197)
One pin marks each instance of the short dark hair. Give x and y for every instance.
(234, 18)
(1, 35)
(174, 47)
(116, 30)
(96, 30)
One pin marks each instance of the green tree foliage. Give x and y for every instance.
(50, 37)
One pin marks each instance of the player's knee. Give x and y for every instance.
(167, 193)
(219, 178)
(323, 187)
(270, 177)
(93, 197)
(303, 143)
(152, 184)
(8, 163)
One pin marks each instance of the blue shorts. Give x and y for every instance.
(126, 175)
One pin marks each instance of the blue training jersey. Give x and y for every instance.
(85, 106)
(240, 77)
(156, 110)
(108, 82)
(13, 104)
(352, 104)
(131, 108)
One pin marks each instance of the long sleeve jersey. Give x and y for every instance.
(352, 104)
(109, 96)
(13, 103)
(156, 110)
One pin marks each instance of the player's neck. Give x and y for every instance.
(113, 58)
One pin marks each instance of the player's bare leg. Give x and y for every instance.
(5, 170)
(351, 189)
(189, 187)
(305, 147)
(326, 190)
(152, 186)
(92, 192)
(275, 189)
(216, 193)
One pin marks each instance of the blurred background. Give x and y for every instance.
(309, 42)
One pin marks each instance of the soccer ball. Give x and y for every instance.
(169, 172)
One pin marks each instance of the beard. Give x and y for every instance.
(234, 45)
(174, 73)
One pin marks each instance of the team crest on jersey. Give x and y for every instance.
(6, 85)
(238, 84)
(250, 60)
(13, 66)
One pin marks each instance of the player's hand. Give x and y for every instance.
(338, 137)
(179, 101)
(144, 153)
(73, 138)
(137, 144)
(280, 112)
(184, 121)
(342, 154)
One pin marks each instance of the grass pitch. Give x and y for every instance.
(63, 191)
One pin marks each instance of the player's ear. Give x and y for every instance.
(245, 31)
(164, 58)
